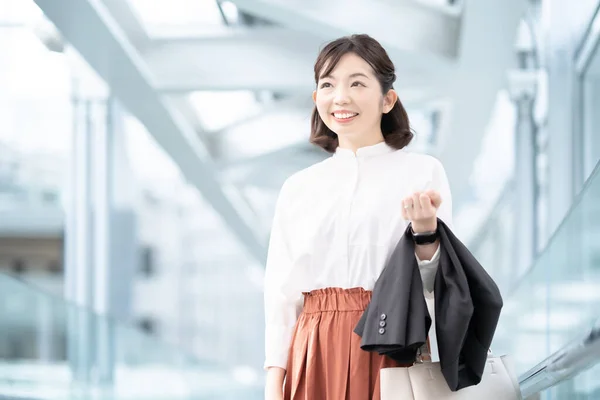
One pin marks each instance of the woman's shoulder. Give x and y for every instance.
(299, 180)
(422, 160)
(307, 174)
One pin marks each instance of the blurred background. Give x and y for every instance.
(143, 144)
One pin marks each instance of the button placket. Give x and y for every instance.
(350, 194)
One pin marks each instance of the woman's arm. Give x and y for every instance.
(426, 251)
(281, 307)
(274, 384)
(425, 220)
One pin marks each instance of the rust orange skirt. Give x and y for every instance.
(325, 359)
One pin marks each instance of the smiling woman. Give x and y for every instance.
(354, 78)
(338, 221)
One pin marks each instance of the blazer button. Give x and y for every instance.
(382, 323)
(381, 331)
(383, 317)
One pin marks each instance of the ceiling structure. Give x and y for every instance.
(224, 86)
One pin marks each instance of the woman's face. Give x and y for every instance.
(350, 100)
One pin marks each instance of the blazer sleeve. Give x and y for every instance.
(281, 307)
(428, 268)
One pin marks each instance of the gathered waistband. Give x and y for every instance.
(336, 299)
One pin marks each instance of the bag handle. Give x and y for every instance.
(424, 353)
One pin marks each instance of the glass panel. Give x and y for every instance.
(52, 349)
(558, 299)
(492, 244)
(422, 124)
(585, 386)
(36, 123)
(486, 221)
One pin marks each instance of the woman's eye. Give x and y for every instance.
(357, 84)
(325, 85)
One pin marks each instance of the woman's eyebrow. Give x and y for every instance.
(354, 75)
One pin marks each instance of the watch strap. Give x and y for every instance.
(424, 237)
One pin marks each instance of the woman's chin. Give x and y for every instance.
(347, 131)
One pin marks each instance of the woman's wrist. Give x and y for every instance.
(424, 226)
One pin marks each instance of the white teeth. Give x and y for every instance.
(344, 115)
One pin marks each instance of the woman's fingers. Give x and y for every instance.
(436, 198)
(421, 205)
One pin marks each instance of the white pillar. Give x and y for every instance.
(100, 234)
(78, 251)
(102, 176)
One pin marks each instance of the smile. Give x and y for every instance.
(344, 116)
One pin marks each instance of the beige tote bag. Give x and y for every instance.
(424, 381)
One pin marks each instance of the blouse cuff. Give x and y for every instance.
(435, 258)
(277, 340)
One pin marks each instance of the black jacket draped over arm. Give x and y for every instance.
(467, 309)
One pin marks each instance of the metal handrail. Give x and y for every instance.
(569, 361)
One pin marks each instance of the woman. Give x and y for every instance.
(337, 222)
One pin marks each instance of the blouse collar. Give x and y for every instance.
(366, 151)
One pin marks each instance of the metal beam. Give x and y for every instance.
(299, 105)
(128, 21)
(412, 27)
(89, 27)
(258, 171)
(266, 58)
(262, 135)
(246, 151)
(234, 59)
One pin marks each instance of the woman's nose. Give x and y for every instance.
(341, 97)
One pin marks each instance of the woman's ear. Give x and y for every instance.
(389, 100)
(314, 96)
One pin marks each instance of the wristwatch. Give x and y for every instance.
(424, 237)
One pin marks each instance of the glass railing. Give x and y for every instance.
(52, 349)
(558, 299)
(584, 386)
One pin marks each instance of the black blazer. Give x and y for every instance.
(467, 309)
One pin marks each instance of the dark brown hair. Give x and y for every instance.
(395, 125)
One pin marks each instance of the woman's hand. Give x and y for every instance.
(421, 210)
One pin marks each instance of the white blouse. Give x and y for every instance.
(336, 223)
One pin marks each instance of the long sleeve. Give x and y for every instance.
(428, 268)
(281, 308)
